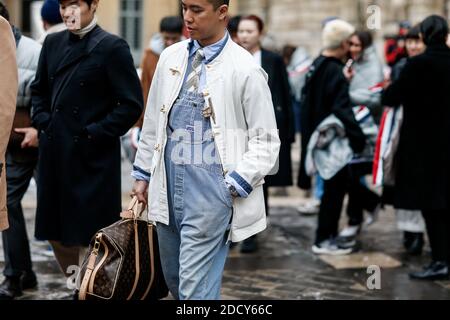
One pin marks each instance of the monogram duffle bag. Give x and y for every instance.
(123, 261)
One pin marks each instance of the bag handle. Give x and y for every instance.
(133, 211)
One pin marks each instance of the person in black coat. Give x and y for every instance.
(250, 32)
(423, 156)
(411, 220)
(326, 92)
(85, 96)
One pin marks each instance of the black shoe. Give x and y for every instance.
(249, 245)
(416, 245)
(29, 280)
(435, 271)
(346, 242)
(10, 288)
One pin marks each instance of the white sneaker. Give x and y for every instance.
(329, 247)
(350, 232)
(310, 207)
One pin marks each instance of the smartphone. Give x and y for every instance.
(349, 65)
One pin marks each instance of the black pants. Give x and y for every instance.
(335, 189)
(16, 247)
(360, 197)
(438, 229)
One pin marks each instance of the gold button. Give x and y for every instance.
(163, 109)
(157, 147)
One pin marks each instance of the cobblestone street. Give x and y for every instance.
(284, 267)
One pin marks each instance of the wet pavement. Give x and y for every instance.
(284, 268)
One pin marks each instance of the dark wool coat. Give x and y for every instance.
(326, 92)
(85, 96)
(423, 155)
(274, 65)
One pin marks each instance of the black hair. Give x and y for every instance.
(4, 11)
(414, 33)
(89, 2)
(172, 24)
(365, 37)
(434, 30)
(218, 3)
(233, 24)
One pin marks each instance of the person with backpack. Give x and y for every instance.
(326, 93)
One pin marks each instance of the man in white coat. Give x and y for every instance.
(209, 139)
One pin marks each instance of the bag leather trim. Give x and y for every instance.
(136, 249)
(94, 273)
(152, 260)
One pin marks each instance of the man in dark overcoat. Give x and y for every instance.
(85, 96)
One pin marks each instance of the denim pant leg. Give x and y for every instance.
(195, 249)
(169, 248)
(15, 240)
(169, 236)
(318, 189)
(204, 250)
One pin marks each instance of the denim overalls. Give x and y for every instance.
(193, 247)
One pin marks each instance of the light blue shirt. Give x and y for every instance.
(211, 52)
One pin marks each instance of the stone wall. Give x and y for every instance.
(298, 22)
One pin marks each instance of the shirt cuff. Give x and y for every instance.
(140, 175)
(242, 187)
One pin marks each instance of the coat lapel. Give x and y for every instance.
(79, 51)
(72, 55)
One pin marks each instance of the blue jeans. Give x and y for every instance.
(194, 246)
(318, 189)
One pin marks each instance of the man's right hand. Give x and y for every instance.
(140, 190)
(30, 139)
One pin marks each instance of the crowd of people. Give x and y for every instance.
(202, 79)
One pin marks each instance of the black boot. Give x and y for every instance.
(416, 245)
(437, 270)
(10, 288)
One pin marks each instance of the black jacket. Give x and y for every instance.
(423, 155)
(326, 92)
(274, 65)
(85, 96)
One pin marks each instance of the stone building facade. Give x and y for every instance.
(296, 22)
